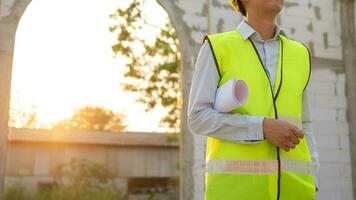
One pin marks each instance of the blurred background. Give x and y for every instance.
(94, 94)
(94, 110)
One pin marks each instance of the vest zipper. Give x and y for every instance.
(275, 108)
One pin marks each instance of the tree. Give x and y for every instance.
(152, 68)
(93, 119)
(24, 119)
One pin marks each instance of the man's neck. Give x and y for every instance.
(265, 26)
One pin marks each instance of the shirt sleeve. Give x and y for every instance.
(309, 136)
(204, 120)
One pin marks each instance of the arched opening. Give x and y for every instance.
(65, 67)
(71, 63)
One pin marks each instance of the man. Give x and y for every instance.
(257, 151)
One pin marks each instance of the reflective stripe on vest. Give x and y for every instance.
(257, 166)
(260, 170)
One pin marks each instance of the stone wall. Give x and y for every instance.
(331, 133)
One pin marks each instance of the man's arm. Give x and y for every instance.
(204, 120)
(309, 136)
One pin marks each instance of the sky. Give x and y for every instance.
(63, 61)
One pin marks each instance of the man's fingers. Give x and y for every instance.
(293, 138)
(287, 145)
(285, 148)
(290, 145)
(297, 132)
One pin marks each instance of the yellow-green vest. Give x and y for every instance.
(261, 171)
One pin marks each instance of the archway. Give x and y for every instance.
(10, 22)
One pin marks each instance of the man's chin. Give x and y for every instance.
(277, 9)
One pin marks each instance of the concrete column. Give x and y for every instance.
(186, 138)
(9, 18)
(5, 80)
(349, 57)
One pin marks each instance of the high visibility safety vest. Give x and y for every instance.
(261, 171)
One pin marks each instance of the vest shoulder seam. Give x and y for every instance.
(214, 56)
(310, 71)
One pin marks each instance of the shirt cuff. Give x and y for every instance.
(255, 130)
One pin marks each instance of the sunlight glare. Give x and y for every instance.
(63, 60)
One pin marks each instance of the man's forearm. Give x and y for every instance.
(228, 127)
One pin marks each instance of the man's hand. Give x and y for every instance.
(281, 133)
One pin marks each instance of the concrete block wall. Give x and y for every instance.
(316, 24)
(330, 127)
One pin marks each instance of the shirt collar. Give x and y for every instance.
(247, 31)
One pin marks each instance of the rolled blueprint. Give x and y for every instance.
(231, 95)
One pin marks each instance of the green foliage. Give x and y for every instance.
(23, 119)
(84, 172)
(152, 196)
(93, 119)
(77, 193)
(172, 138)
(152, 68)
(81, 180)
(16, 192)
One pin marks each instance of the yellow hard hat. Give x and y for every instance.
(234, 6)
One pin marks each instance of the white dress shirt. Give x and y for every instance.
(248, 129)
